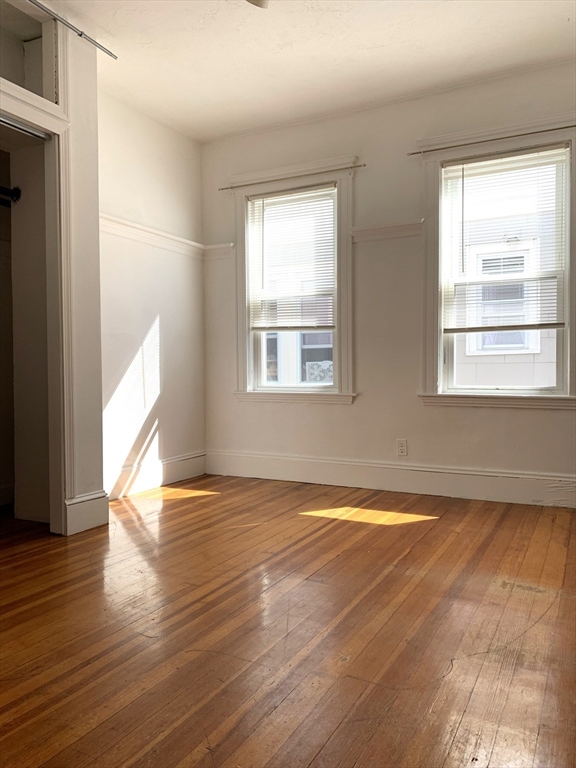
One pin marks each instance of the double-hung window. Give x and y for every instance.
(292, 247)
(503, 260)
(296, 273)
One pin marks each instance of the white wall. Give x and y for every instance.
(521, 455)
(152, 302)
(11, 58)
(21, 62)
(149, 174)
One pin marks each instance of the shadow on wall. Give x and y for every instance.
(131, 426)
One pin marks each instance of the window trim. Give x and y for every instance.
(432, 364)
(342, 390)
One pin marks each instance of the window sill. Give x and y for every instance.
(552, 402)
(334, 398)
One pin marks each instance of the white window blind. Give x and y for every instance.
(504, 242)
(292, 260)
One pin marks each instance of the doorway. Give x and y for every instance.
(24, 348)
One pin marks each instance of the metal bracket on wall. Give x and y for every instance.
(13, 196)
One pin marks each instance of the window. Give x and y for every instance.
(503, 248)
(293, 358)
(295, 332)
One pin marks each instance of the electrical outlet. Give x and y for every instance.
(402, 447)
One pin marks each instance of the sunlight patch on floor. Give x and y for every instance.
(373, 516)
(174, 493)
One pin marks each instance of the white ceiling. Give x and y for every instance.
(210, 68)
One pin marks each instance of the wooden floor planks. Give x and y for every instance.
(218, 624)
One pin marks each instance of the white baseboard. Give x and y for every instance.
(87, 510)
(467, 483)
(159, 472)
(183, 467)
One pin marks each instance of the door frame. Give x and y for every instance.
(53, 119)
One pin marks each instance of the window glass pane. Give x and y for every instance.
(292, 259)
(271, 357)
(316, 339)
(316, 358)
(289, 361)
(506, 359)
(502, 339)
(501, 220)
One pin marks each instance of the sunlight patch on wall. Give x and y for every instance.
(147, 472)
(373, 516)
(125, 416)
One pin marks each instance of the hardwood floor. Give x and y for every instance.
(232, 622)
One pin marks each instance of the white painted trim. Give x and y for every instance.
(53, 118)
(50, 61)
(31, 108)
(174, 469)
(388, 231)
(431, 368)
(166, 462)
(84, 497)
(85, 511)
(67, 317)
(333, 398)
(113, 225)
(179, 468)
(219, 247)
(219, 252)
(501, 401)
(293, 171)
(76, 512)
(552, 122)
(458, 482)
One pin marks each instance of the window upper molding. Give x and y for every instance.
(462, 139)
(297, 172)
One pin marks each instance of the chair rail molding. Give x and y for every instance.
(131, 230)
(149, 236)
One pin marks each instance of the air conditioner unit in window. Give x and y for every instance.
(318, 372)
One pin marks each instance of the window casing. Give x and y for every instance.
(498, 292)
(294, 288)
